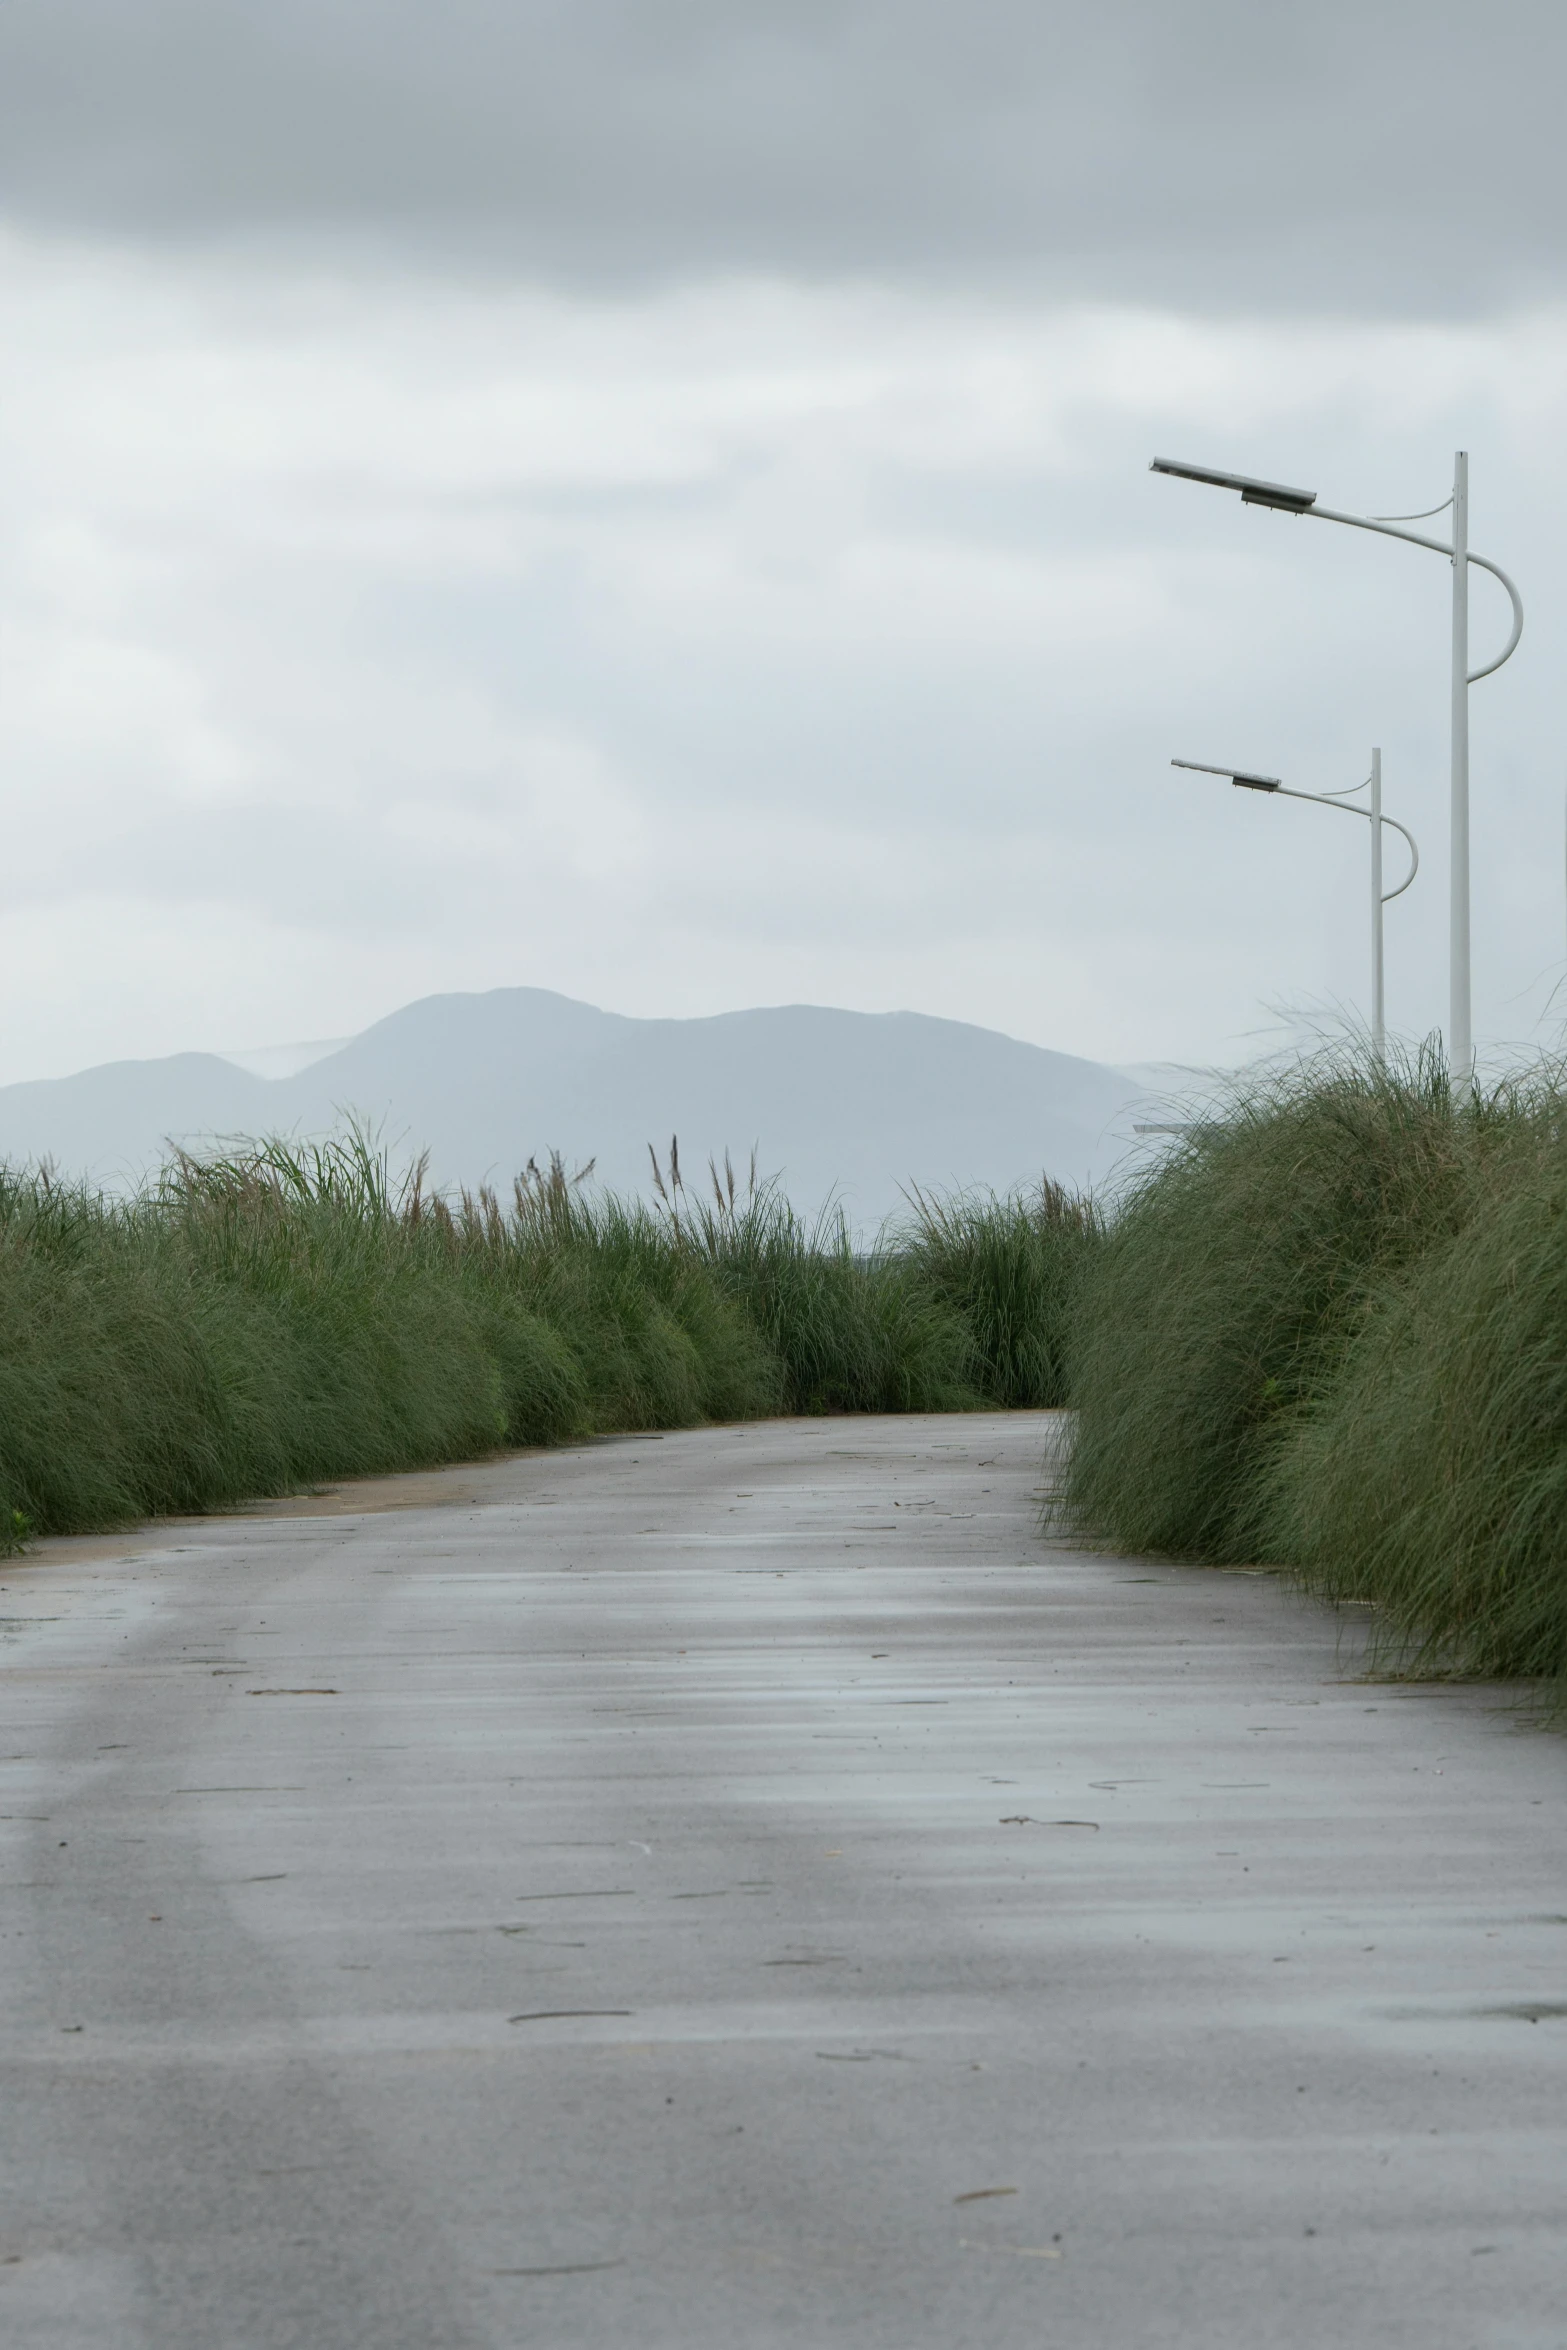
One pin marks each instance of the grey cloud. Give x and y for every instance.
(1401, 155)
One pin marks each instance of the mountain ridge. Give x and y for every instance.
(858, 1106)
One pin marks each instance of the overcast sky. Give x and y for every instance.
(652, 500)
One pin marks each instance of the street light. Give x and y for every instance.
(1245, 781)
(1459, 553)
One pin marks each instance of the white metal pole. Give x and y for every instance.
(1378, 1006)
(1460, 1043)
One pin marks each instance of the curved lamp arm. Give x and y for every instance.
(1415, 538)
(1320, 799)
(1511, 646)
(1388, 895)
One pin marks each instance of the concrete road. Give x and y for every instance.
(745, 1888)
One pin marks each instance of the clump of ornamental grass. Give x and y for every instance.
(1239, 1269)
(1010, 1269)
(661, 1341)
(850, 1331)
(1430, 1476)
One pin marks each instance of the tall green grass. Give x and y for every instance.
(1431, 1478)
(253, 1325)
(848, 1332)
(1329, 1331)
(1230, 1281)
(260, 1321)
(1010, 1269)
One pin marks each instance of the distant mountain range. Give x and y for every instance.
(855, 1105)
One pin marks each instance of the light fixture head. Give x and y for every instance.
(1253, 493)
(1236, 775)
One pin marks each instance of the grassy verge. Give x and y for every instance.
(1432, 1476)
(1011, 1269)
(260, 1322)
(1330, 1331)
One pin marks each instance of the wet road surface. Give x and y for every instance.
(746, 1888)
